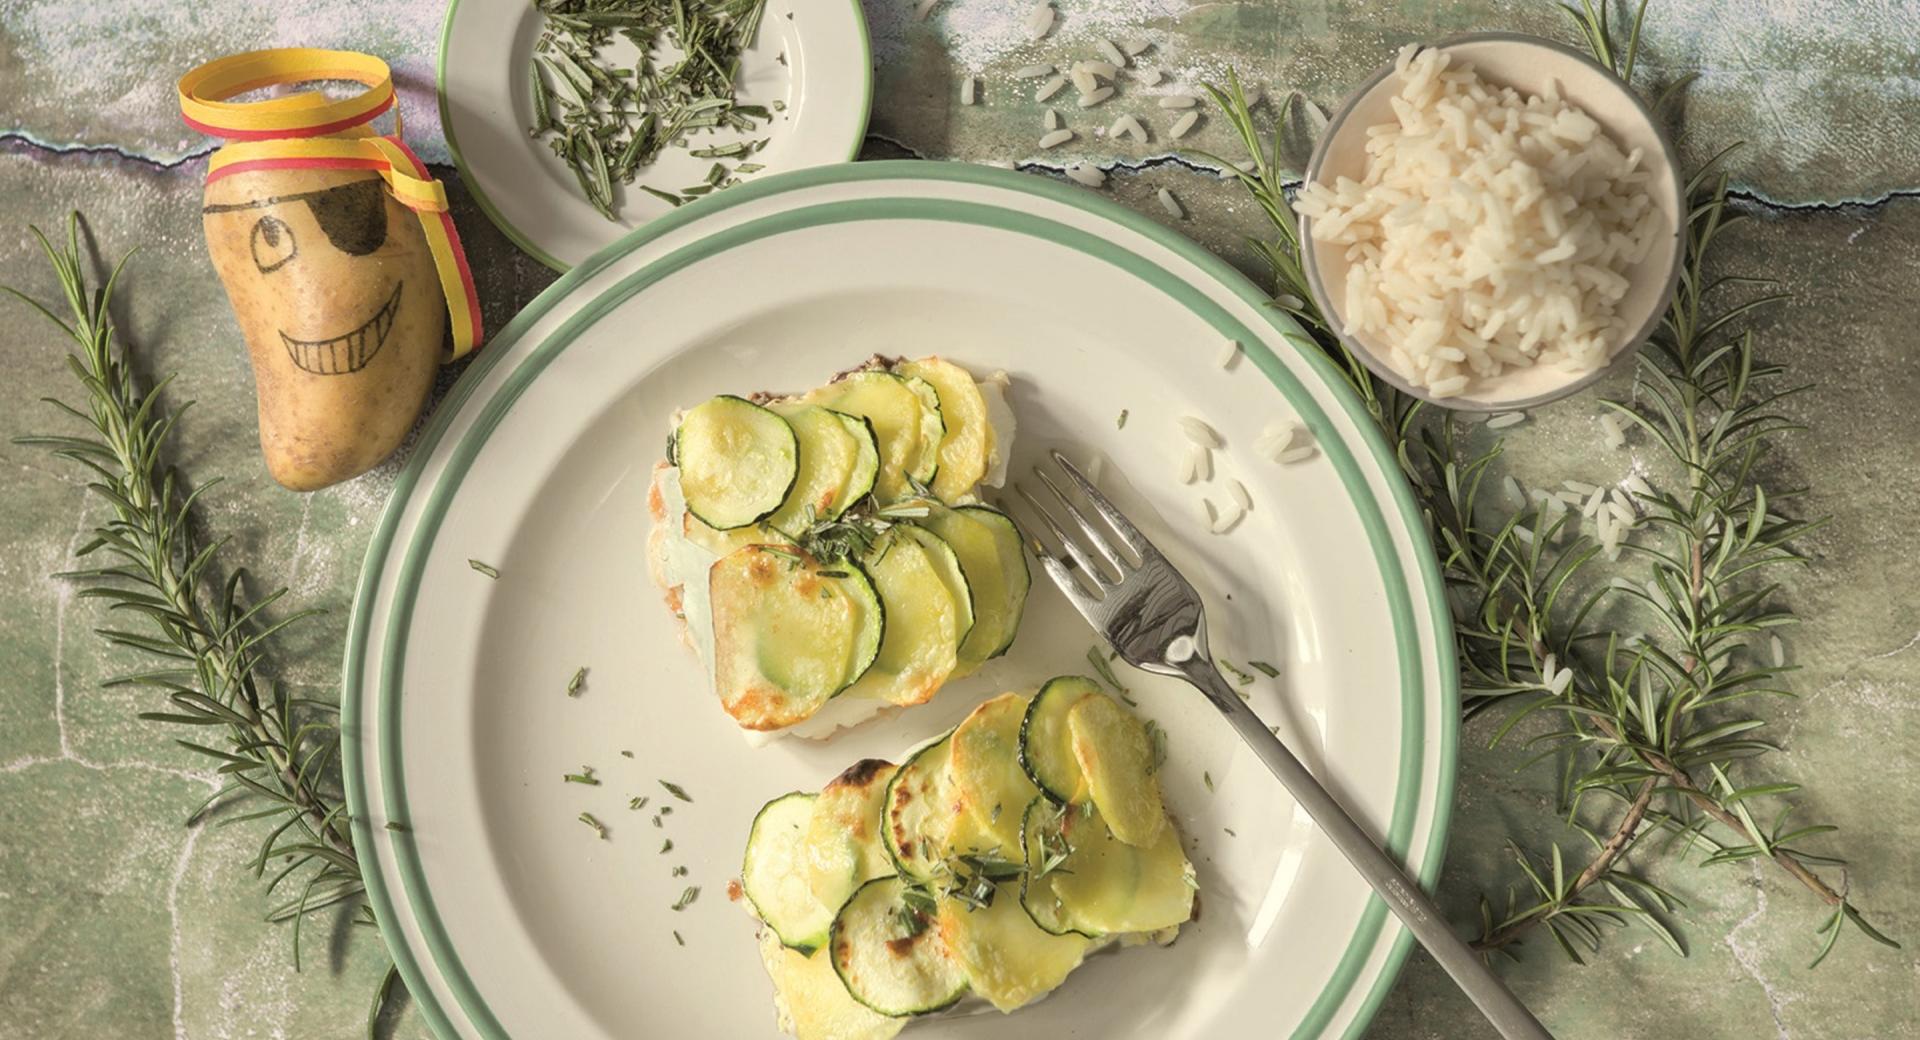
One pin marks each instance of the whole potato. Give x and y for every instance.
(334, 288)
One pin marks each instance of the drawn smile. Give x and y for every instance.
(347, 353)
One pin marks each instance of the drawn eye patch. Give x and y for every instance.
(353, 216)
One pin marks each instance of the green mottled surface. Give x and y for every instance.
(115, 921)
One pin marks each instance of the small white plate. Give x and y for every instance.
(508, 917)
(810, 55)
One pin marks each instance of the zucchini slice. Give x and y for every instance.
(933, 430)
(838, 455)
(919, 809)
(788, 632)
(900, 418)
(813, 1003)
(921, 644)
(843, 847)
(946, 563)
(988, 782)
(1046, 742)
(773, 875)
(1116, 756)
(1007, 958)
(890, 956)
(1103, 886)
(737, 461)
(967, 437)
(990, 554)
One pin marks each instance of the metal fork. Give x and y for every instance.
(1153, 618)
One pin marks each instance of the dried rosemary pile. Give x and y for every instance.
(607, 120)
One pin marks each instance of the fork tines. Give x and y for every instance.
(1097, 543)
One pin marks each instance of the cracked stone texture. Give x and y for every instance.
(115, 920)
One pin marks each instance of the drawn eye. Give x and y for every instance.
(272, 244)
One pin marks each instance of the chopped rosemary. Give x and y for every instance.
(1238, 676)
(1208, 777)
(1265, 669)
(598, 827)
(607, 121)
(639, 802)
(676, 938)
(483, 568)
(574, 684)
(680, 872)
(1157, 739)
(1230, 833)
(1105, 672)
(626, 754)
(1121, 423)
(677, 791)
(584, 776)
(396, 825)
(686, 898)
(666, 846)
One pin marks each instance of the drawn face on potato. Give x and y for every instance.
(334, 287)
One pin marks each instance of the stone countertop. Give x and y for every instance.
(116, 921)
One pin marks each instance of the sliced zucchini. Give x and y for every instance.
(933, 430)
(813, 1003)
(837, 454)
(774, 876)
(1007, 958)
(1103, 886)
(843, 848)
(988, 548)
(737, 461)
(921, 643)
(1044, 849)
(788, 632)
(899, 415)
(888, 954)
(987, 779)
(946, 563)
(920, 814)
(1046, 742)
(968, 435)
(1116, 756)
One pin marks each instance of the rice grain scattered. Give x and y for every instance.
(1199, 432)
(1239, 493)
(1202, 463)
(1032, 71)
(1152, 77)
(1056, 138)
(1228, 351)
(1779, 651)
(1051, 119)
(1090, 100)
(1103, 69)
(1083, 80)
(1091, 176)
(1137, 46)
(1612, 432)
(1040, 22)
(1228, 518)
(1170, 204)
(1182, 125)
(1179, 101)
(1113, 53)
(968, 87)
(1050, 88)
(1506, 419)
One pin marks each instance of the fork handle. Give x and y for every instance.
(1401, 893)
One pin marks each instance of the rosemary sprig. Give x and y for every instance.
(272, 752)
(1644, 730)
(608, 120)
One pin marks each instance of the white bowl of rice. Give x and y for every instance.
(1492, 222)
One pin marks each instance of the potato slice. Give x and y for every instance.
(986, 771)
(1116, 755)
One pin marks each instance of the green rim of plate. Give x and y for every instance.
(521, 238)
(355, 687)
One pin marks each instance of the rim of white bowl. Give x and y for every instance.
(1377, 365)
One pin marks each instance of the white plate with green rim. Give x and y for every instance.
(810, 56)
(509, 917)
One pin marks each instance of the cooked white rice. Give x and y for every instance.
(1490, 231)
